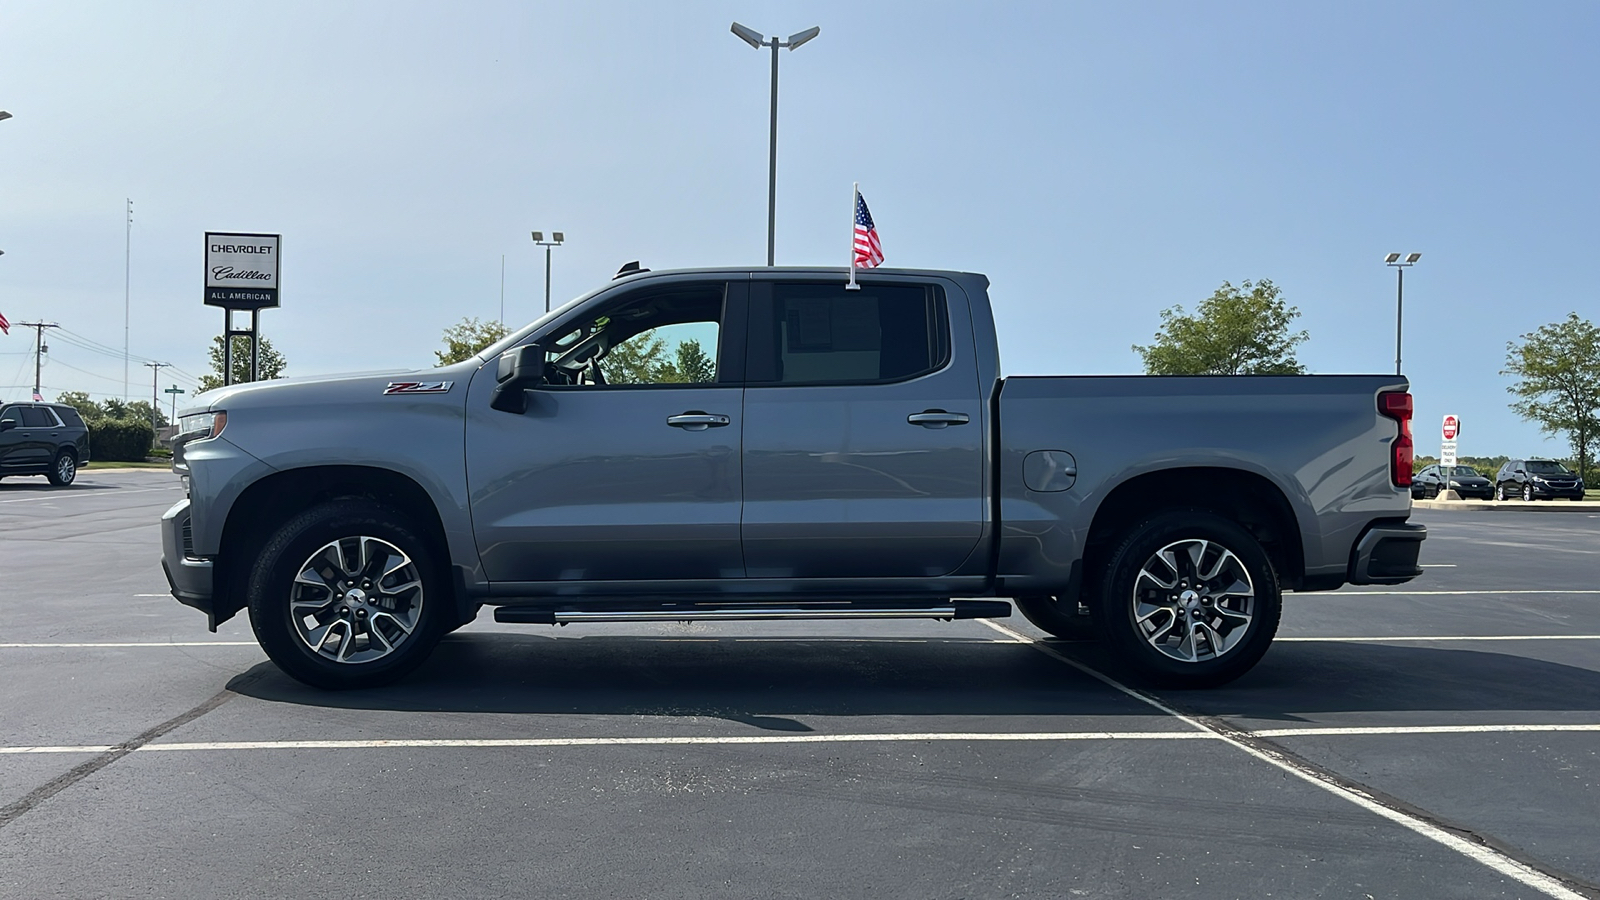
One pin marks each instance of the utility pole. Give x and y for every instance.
(155, 373)
(127, 280)
(39, 349)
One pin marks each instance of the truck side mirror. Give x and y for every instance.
(517, 370)
(7, 424)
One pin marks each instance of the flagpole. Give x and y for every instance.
(855, 198)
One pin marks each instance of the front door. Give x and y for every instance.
(625, 467)
(863, 432)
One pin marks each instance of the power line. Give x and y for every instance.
(38, 349)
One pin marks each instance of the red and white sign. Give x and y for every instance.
(1452, 427)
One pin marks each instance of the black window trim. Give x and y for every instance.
(762, 292)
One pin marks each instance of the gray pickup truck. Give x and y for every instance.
(769, 444)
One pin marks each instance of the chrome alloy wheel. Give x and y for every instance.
(356, 599)
(1193, 600)
(66, 468)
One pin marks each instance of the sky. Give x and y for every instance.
(1099, 162)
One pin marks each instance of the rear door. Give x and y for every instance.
(39, 434)
(863, 443)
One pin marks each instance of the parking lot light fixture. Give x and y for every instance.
(1400, 266)
(757, 40)
(557, 238)
(4, 115)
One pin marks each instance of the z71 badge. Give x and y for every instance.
(418, 387)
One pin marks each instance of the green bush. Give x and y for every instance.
(119, 440)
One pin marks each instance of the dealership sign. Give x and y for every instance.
(242, 270)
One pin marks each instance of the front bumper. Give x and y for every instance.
(1556, 491)
(1387, 554)
(189, 578)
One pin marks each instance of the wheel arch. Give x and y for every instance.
(270, 501)
(1252, 500)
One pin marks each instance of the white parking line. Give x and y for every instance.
(1445, 638)
(1419, 729)
(917, 737)
(1438, 565)
(57, 495)
(1443, 593)
(856, 738)
(117, 645)
(1493, 859)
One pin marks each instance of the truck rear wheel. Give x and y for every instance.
(1057, 617)
(348, 594)
(1190, 600)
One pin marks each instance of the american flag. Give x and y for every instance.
(5, 324)
(869, 252)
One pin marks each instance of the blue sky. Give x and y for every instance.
(1100, 162)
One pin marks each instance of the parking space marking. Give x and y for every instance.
(1444, 593)
(1446, 637)
(115, 645)
(684, 740)
(1418, 729)
(58, 495)
(1438, 565)
(852, 738)
(1242, 740)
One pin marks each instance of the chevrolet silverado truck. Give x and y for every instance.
(769, 443)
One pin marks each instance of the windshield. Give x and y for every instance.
(1546, 467)
(1460, 471)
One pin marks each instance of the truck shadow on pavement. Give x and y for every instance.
(758, 682)
(1298, 680)
(765, 683)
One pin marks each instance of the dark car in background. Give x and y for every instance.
(1537, 479)
(46, 439)
(1464, 480)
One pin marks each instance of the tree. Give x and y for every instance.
(1240, 330)
(638, 360)
(272, 362)
(467, 338)
(112, 409)
(692, 365)
(80, 401)
(1558, 383)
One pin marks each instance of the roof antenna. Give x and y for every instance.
(629, 268)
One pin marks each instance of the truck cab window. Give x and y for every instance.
(670, 337)
(820, 334)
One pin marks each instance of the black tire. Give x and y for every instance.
(272, 585)
(1499, 492)
(1527, 493)
(1115, 612)
(63, 469)
(1051, 615)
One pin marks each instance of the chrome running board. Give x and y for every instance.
(955, 609)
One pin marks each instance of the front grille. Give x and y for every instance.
(188, 538)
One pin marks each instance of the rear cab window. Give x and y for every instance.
(818, 333)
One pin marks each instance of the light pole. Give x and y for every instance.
(1400, 266)
(755, 39)
(556, 239)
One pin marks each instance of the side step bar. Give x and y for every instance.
(954, 609)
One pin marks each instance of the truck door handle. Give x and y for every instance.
(938, 418)
(695, 420)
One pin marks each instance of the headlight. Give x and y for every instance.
(1539, 479)
(202, 426)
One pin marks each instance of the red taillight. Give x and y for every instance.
(1397, 405)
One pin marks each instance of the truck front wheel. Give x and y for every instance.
(348, 594)
(1190, 600)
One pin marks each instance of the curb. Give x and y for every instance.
(1525, 505)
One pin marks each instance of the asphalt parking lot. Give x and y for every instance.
(1439, 740)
